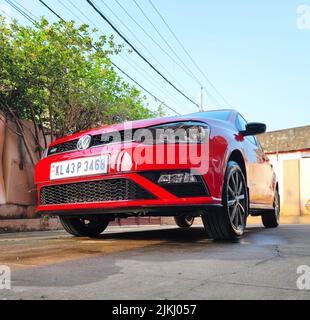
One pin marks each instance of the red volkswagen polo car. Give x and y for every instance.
(207, 165)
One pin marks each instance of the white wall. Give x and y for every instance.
(304, 157)
(305, 185)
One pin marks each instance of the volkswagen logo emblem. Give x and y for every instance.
(84, 142)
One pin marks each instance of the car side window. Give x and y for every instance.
(240, 123)
(241, 126)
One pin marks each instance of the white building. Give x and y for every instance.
(289, 152)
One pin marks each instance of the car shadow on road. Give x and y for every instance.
(194, 234)
(169, 245)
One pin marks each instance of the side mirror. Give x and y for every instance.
(253, 129)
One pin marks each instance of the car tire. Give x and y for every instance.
(184, 221)
(229, 221)
(91, 226)
(271, 218)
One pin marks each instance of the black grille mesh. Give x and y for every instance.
(93, 191)
(96, 140)
(113, 137)
(63, 147)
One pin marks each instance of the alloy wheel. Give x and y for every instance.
(236, 200)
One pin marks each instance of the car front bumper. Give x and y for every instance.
(162, 200)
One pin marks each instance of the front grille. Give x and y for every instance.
(97, 140)
(112, 137)
(93, 191)
(63, 147)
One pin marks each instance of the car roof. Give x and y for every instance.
(231, 117)
(214, 110)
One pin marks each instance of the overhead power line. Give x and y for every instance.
(118, 68)
(6, 14)
(187, 53)
(139, 53)
(143, 45)
(157, 44)
(82, 13)
(133, 80)
(181, 65)
(133, 64)
(121, 70)
(65, 6)
(25, 9)
(51, 10)
(114, 65)
(24, 14)
(188, 71)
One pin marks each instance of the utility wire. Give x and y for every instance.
(25, 15)
(122, 71)
(156, 84)
(135, 66)
(6, 14)
(83, 14)
(157, 44)
(187, 53)
(50, 9)
(133, 80)
(183, 67)
(138, 52)
(65, 6)
(191, 74)
(143, 45)
(188, 71)
(25, 9)
(117, 67)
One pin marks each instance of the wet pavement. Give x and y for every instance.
(156, 263)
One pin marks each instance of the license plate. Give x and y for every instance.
(79, 167)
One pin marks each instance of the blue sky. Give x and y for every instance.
(252, 51)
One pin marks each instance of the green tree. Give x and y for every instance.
(59, 77)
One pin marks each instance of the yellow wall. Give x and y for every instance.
(293, 172)
(305, 186)
(291, 188)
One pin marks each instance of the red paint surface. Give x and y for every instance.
(224, 139)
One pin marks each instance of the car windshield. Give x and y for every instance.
(217, 114)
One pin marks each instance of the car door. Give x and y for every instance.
(267, 178)
(259, 172)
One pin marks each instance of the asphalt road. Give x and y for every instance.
(156, 263)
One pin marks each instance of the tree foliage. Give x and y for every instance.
(60, 77)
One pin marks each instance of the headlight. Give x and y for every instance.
(44, 154)
(174, 133)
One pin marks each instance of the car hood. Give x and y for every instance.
(138, 124)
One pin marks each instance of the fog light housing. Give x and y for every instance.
(177, 178)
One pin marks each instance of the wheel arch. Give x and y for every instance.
(237, 156)
(277, 188)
